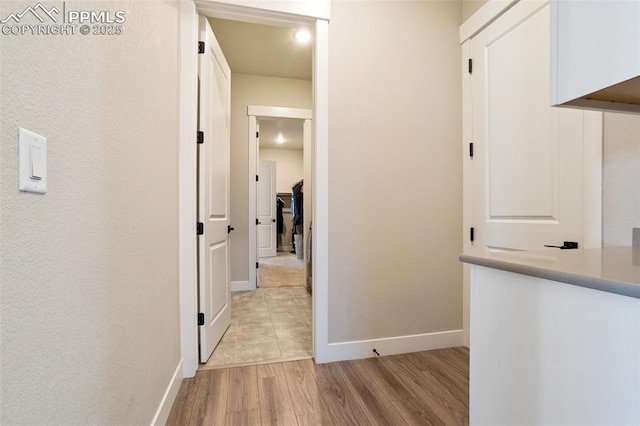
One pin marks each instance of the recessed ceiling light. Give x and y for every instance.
(303, 36)
(280, 138)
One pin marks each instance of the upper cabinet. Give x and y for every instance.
(595, 54)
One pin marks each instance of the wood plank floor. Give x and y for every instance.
(412, 389)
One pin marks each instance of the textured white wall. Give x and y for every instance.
(290, 166)
(621, 178)
(395, 169)
(89, 271)
(253, 90)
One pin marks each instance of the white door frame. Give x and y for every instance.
(255, 112)
(592, 178)
(188, 38)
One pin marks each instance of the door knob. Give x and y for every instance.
(568, 245)
(273, 220)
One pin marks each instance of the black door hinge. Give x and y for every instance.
(229, 229)
(257, 178)
(257, 265)
(470, 66)
(200, 319)
(200, 47)
(257, 134)
(200, 228)
(471, 234)
(257, 222)
(471, 150)
(200, 137)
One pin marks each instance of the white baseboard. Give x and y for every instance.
(344, 351)
(162, 414)
(241, 286)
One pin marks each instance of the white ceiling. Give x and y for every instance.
(270, 51)
(263, 49)
(290, 129)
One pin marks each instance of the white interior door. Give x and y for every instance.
(266, 209)
(529, 158)
(213, 192)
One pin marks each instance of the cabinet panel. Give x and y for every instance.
(596, 45)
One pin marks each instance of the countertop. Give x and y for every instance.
(613, 270)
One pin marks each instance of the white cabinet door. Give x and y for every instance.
(213, 193)
(595, 45)
(529, 158)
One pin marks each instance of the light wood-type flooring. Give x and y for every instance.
(412, 389)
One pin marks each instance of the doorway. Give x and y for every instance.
(314, 15)
(268, 324)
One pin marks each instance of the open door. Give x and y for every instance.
(266, 208)
(213, 193)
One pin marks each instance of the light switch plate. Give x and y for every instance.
(32, 162)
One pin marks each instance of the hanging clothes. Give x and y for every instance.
(297, 203)
(280, 216)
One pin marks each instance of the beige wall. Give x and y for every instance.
(469, 7)
(621, 178)
(290, 167)
(395, 169)
(253, 90)
(89, 271)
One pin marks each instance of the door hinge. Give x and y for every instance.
(471, 234)
(200, 137)
(200, 47)
(257, 178)
(200, 319)
(257, 265)
(470, 66)
(471, 150)
(257, 134)
(257, 222)
(200, 228)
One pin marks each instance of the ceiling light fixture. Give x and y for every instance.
(280, 139)
(303, 36)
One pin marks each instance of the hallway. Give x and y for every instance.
(269, 324)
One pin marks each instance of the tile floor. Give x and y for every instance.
(268, 324)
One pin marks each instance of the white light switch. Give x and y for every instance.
(32, 163)
(36, 163)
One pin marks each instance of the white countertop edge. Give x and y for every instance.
(595, 283)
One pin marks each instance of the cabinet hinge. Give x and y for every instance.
(200, 137)
(471, 150)
(200, 228)
(200, 319)
(470, 66)
(200, 47)
(471, 234)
